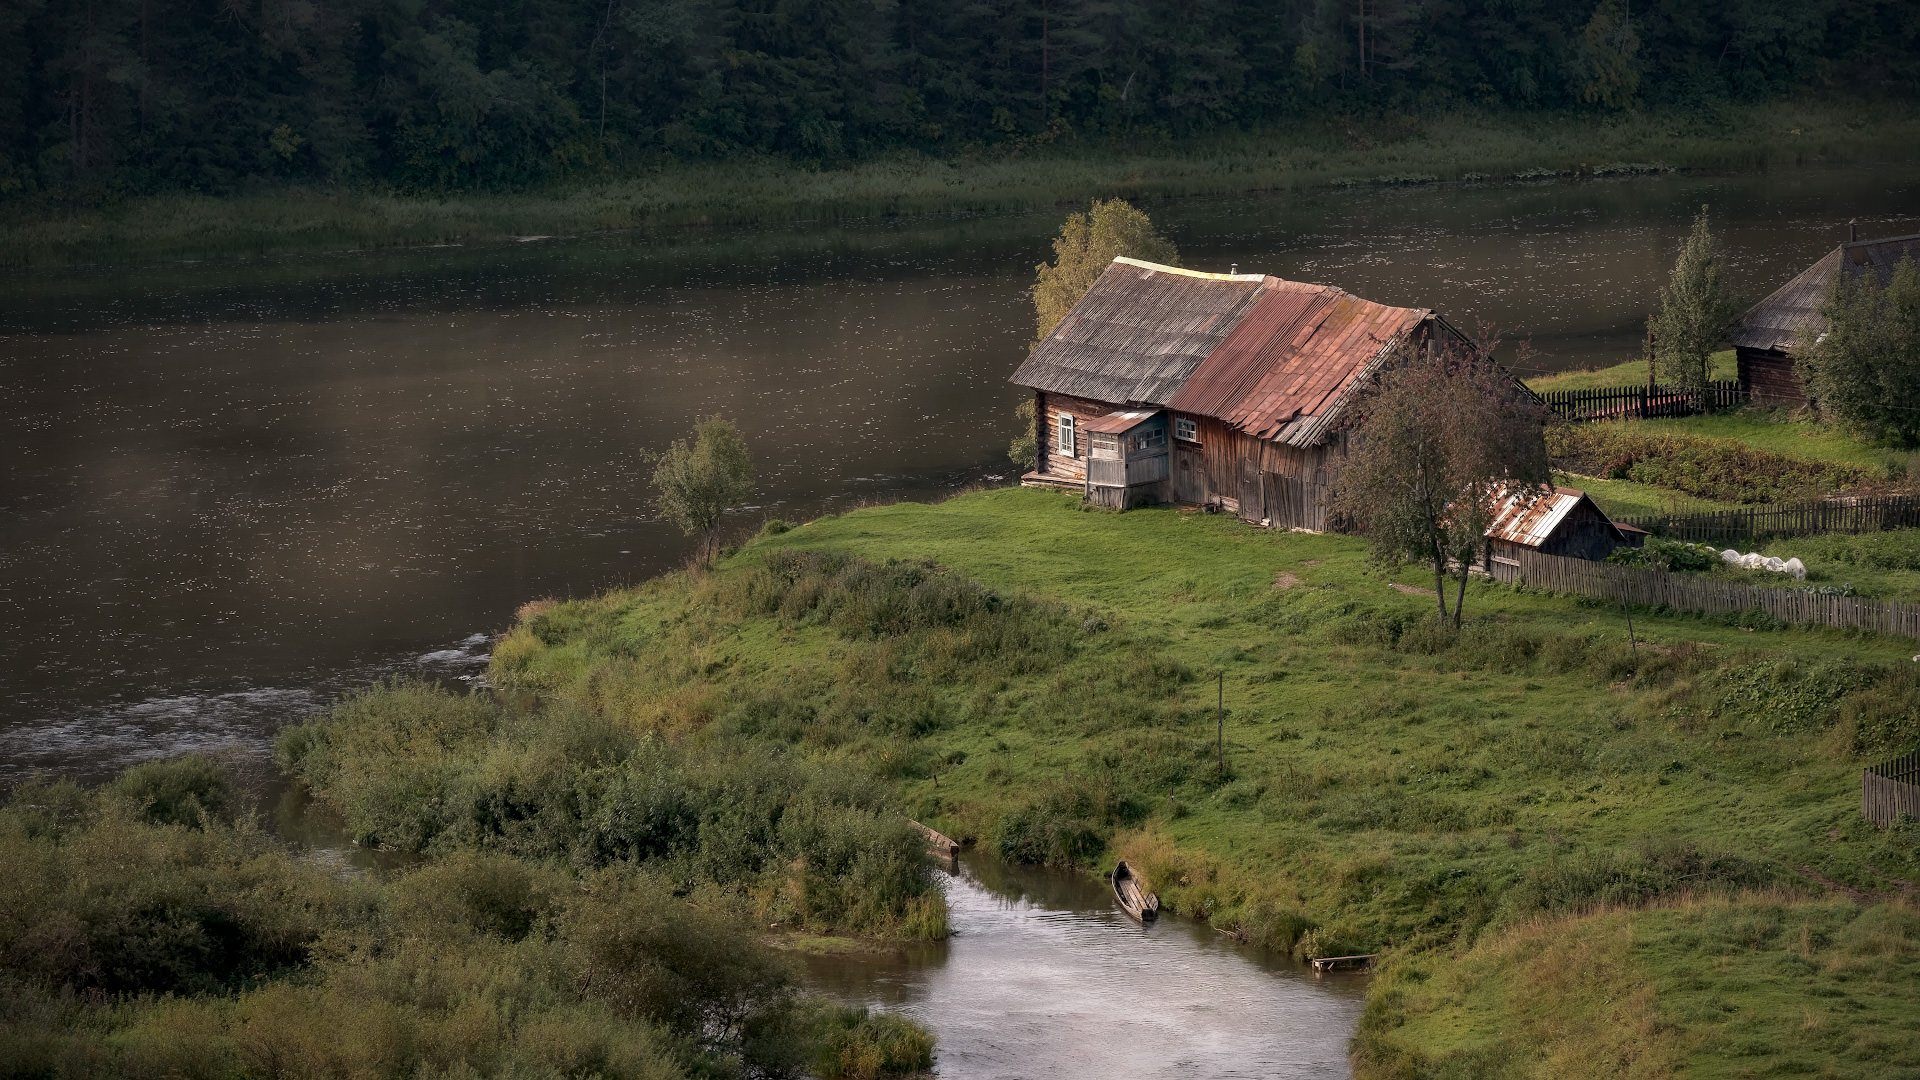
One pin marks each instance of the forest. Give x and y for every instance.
(100, 98)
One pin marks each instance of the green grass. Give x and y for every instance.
(1758, 985)
(1627, 499)
(1413, 149)
(1794, 437)
(1626, 373)
(1390, 786)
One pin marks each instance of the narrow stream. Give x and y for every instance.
(1044, 977)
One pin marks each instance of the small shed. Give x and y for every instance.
(1562, 522)
(1766, 336)
(1127, 462)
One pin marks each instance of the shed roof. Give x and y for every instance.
(1283, 371)
(1777, 322)
(1532, 522)
(1138, 333)
(1119, 423)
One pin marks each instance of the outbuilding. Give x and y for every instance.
(1765, 338)
(1563, 521)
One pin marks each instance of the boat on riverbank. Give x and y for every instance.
(1130, 890)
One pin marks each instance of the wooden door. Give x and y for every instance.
(1253, 500)
(1189, 475)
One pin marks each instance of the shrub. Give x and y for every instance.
(109, 902)
(1060, 828)
(1675, 556)
(187, 790)
(1588, 878)
(854, 1044)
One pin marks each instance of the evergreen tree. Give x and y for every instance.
(1696, 310)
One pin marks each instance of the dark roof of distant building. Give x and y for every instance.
(1792, 310)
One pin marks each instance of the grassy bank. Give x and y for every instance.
(1626, 373)
(1400, 150)
(1045, 686)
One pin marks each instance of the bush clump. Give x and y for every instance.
(422, 769)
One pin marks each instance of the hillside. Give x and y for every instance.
(1577, 857)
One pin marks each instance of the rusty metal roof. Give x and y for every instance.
(1138, 333)
(1778, 321)
(1287, 365)
(1119, 423)
(1532, 522)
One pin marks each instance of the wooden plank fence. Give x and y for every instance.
(1709, 596)
(1750, 524)
(1641, 402)
(1891, 790)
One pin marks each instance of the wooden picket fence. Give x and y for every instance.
(1641, 402)
(1706, 595)
(1891, 790)
(1751, 524)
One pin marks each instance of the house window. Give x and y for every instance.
(1150, 439)
(1185, 429)
(1065, 449)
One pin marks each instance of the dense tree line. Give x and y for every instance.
(128, 95)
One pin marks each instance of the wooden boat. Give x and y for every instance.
(1135, 900)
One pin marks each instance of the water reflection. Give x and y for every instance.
(1045, 977)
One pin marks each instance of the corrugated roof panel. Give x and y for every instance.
(1532, 522)
(1291, 356)
(1118, 423)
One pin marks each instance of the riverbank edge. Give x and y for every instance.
(1419, 1020)
(1454, 147)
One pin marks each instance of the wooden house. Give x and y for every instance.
(1562, 522)
(1765, 338)
(1233, 384)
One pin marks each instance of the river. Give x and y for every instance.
(1044, 977)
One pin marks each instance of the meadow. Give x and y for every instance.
(1041, 679)
(1402, 149)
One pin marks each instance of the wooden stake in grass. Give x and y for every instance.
(1220, 727)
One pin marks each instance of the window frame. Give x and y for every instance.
(1191, 426)
(1066, 430)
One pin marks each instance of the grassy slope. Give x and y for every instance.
(1793, 437)
(1445, 147)
(1626, 373)
(1378, 797)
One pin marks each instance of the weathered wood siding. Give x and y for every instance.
(1891, 790)
(1260, 480)
(1768, 377)
(1053, 462)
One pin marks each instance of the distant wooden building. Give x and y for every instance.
(1224, 390)
(1562, 522)
(1766, 336)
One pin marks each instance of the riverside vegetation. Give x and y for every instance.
(587, 906)
(1579, 856)
(1461, 145)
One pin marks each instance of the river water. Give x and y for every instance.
(1044, 977)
